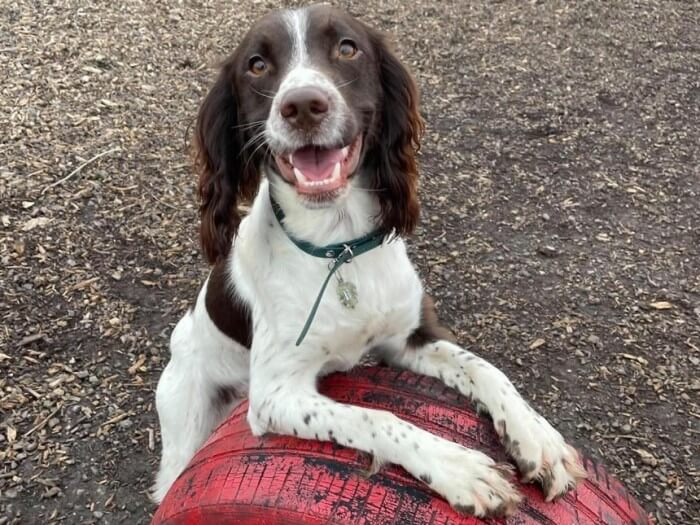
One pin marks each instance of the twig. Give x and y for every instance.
(76, 170)
(43, 422)
(31, 338)
(115, 419)
(623, 436)
(76, 424)
(83, 284)
(164, 203)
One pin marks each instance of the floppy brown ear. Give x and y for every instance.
(225, 175)
(401, 128)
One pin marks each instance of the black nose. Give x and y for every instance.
(304, 108)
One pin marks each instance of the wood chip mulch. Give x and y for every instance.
(560, 231)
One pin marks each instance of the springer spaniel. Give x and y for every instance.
(316, 121)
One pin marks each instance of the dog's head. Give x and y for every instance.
(317, 99)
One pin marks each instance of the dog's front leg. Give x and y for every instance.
(539, 450)
(284, 400)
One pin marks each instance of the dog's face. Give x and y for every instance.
(315, 98)
(313, 76)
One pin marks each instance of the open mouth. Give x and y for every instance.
(316, 170)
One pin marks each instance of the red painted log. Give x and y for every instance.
(236, 478)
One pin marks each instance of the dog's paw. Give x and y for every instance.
(469, 480)
(541, 453)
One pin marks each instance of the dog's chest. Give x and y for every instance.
(371, 300)
(385, 312)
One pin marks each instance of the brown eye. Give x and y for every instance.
(257, 66)
(347, 49)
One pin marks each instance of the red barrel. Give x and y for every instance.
(237, 478)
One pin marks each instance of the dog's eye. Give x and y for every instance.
(257, 66)
(347, 49)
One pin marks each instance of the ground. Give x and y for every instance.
(560, 227)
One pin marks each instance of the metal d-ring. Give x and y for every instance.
(347, 249)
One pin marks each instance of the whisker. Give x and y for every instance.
(261, 93)
(343, 84)
(263, 144)
(245, 167)
(257, 135)
(248, 125)
(253, 140)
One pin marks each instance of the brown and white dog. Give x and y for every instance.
(314, 112)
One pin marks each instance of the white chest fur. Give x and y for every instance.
(280, 283)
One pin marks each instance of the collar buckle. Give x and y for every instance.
(348, 249)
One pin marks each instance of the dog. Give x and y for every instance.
(315, 121)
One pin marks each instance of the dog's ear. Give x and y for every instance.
(400, 131)
(226, 177)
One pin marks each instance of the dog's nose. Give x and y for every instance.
(304, 107)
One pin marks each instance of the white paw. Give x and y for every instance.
(468, 479)
(540, 451)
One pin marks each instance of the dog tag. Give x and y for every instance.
(347, 293)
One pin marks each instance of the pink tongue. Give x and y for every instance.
(316, 163)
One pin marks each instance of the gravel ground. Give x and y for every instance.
(561, 226)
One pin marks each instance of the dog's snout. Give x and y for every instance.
(304, 107)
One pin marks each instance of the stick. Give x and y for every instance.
(115, 419)
(43, 421)
(76, 170)
(31, 338)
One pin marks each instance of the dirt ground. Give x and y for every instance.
(560, 230)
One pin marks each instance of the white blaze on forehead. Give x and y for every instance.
(297, 24)
(299, 72)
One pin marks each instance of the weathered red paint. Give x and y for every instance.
(236, 478)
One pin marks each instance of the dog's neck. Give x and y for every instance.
(352, 216)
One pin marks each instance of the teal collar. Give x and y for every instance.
(350, 249)
(338, 254)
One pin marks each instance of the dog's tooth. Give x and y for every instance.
(299, 175)
(345, 151)
(336, 171)
(291, 159)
